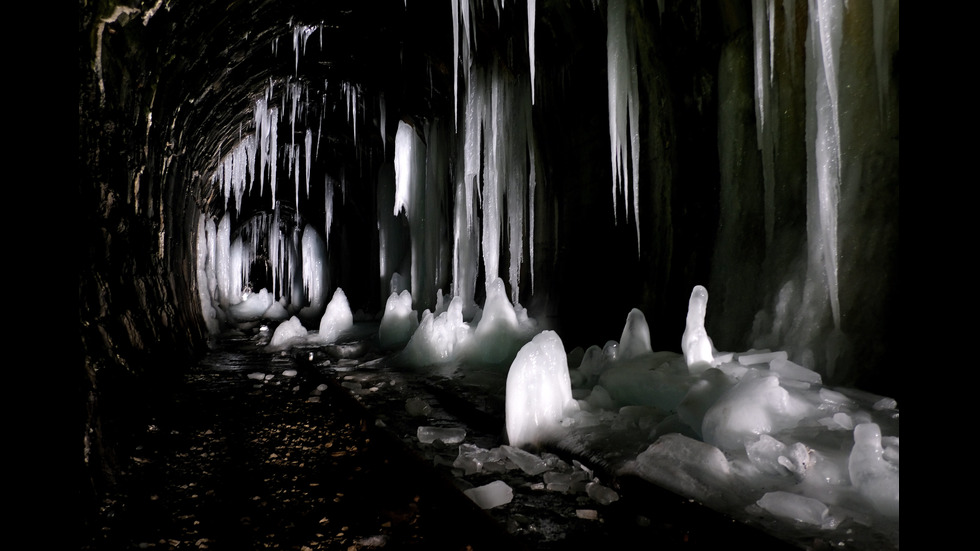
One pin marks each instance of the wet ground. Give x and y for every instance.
(314, 448)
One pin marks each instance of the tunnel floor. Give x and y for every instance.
(314, 449)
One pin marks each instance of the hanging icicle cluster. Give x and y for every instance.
(624, 114)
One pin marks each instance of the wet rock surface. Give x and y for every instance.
(314, 449)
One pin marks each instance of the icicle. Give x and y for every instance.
(327, 208)
(826, 20)
(403, 166)
(762, 25)
(623, 92)
(883, 13)
(532, 185)
(455, 7)
(309, 160)
(304, 32)
(384, 122)
(530, 41)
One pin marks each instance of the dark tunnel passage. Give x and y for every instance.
(292, 114)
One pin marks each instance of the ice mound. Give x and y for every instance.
(440, 338)
(751, 431)
(252, 307)
(276, 311)
(287, 332)
(658, 379)
(399, 321)
(539, 391)
(755, 405)
(489, 342)
(502, 329)
(873, 471)
(336, 319)
(635, 340)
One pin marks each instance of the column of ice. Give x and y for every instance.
(466, 230)
(508, 140)
(314, 268)
(434, 274)
(223, 250)
(410, 199)
(516, 181)
(624, 117)
(235, 270)
(205, 272)
(275, 253)
(492, 190)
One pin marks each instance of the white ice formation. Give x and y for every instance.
(337, 318)
(539, 392)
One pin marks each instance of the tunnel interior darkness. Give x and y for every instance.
(171, 90)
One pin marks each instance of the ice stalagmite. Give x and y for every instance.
(695, 343)
(539, 391)
(875, 475)
(623, 90)
(336, 319)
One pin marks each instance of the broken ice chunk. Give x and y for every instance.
(761, 357)
(417, 407)
(528, 462)
(471, 458)
(797, 507)
(790, 370)
(600, 493)
(491, 495)
(449, 436)
(773, 457)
